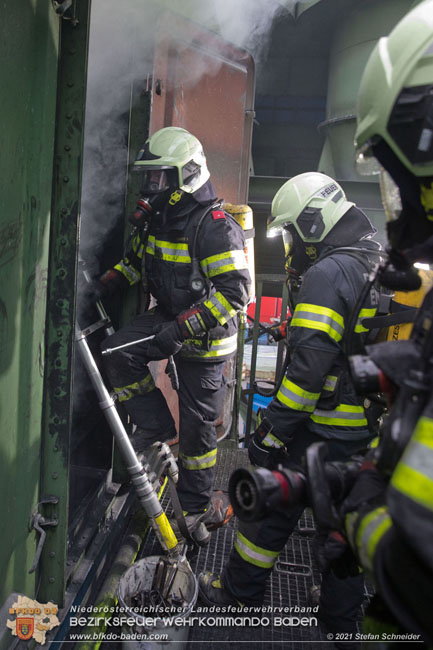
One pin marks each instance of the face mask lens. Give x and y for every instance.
(391, 198)
(288, 242)
(366, 163)
(272, 231)
(154, 181)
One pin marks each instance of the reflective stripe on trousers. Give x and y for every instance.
(145, 385)
(199, 462)
(253, 554)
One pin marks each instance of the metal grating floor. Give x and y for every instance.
(284, 589)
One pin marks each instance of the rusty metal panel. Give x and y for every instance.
(206, 85)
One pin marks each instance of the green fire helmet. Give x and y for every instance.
(173, 148)
(312, 202)
(395, 99)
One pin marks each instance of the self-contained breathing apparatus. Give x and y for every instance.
(401, 371)
(321, 484)
(141, 218)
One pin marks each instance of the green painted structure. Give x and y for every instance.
(29, 51)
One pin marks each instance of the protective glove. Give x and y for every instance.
(100, 288)
(92, 291)
(168, 341)
(190, 323)
(279, 331)
(368, 491)
(332, 548)
(367, 494)
(265, 449)
(332, 552)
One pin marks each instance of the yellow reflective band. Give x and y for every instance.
(201, 321)
(424, 432)
(131, 274)
(413, 485)
(168, 251)
(199, 462)
(374, 443)
(224, 262)
(191, 331)
(138, 246)
(350, 522)
(364, 313)
(330, 383)
(413, 476)
(150, 248)
(371, 530)
(166, 530)
(253, 554)
(296, 397)
(319, 318)
(345, 415)
(272, 441)
(220, 308)
(218, 347)
(145, 385)
(427, 199)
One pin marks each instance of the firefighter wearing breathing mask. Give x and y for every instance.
(329, 250)
(388, 516)
(191, 254)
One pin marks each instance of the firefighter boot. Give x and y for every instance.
(196, 525)
(212, 591)
(142, 439)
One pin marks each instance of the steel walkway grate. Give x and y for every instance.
(284, 590)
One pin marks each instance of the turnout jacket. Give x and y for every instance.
(317, 391)
(163, 259)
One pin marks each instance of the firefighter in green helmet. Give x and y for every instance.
(192, 254)
(388, 516)
(329, 249)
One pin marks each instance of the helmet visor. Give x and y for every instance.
(391, 197)
(366, 163)
(153, 180)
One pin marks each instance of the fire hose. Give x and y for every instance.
(256, 493)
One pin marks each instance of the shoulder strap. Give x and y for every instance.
(403, 314)
(199, 216)
(197, 279)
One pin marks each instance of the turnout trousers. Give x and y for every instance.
(258, 544)
(201, 396)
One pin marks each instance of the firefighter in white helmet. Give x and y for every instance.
(329, 249)
(195, 267)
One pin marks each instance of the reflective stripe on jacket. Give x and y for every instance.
(167, 262)
(317, 391)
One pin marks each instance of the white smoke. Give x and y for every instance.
(122, 43)
(121, 53)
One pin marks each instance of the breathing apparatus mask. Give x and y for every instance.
(408, 205)
(157, 186)
(171, 168)
(297, 261)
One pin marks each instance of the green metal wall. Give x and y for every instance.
(28, 44)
